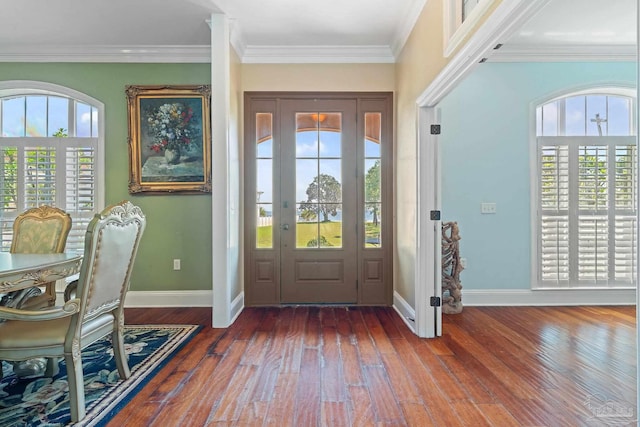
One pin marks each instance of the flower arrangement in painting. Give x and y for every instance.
(171, 127)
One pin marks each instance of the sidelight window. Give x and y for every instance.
(372, 180)
(264, 180)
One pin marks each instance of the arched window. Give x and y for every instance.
(586, 195)
(51, 150)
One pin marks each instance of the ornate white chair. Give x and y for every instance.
(95, 309)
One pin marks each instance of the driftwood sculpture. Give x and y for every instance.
(451, 268)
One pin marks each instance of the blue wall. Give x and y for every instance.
(485, 158)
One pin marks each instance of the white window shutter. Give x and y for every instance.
(39, 173)
(80, 189)
(555, 249)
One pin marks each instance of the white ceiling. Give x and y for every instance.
(365, 29)
(575, 30)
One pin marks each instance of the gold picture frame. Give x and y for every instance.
(169, 138)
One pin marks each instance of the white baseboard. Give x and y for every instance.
(470, 297)
(524, 297)
(170, 299)
(237, 305)
(406, 312)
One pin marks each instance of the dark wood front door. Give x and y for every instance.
(316, 190)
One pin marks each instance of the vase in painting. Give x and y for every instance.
(172, 156)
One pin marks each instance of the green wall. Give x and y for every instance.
(178, 226)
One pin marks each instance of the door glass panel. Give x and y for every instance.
(330, 145)
(264, 180)
(318, 180)
(330, 189)
(372, 181)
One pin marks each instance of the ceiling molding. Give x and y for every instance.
(106, 53)
(317, 54)
(564, 53)
(236, 38)
(198, 54)
(404, 30)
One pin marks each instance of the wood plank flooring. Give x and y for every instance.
(337, 366)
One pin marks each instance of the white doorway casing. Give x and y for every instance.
(428, 259)
(504, 21)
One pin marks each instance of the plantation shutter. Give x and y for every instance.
(554, 201)
(625, 231)
(80, 190)
(39, 175)
(587, 211)
(8, 194)
(593, 220)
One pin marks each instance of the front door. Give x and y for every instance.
(314, 181)
(318, 192)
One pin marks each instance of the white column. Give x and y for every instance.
(220, 118)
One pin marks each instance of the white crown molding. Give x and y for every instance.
(198, 54)
(107, 53)
(237, 39)
(317, 54)
(564, 53)
(404, 31)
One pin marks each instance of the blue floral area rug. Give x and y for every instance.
(44, 401)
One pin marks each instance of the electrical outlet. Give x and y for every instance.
(488, 208)
(176, 264)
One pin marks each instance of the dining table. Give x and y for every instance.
(22, 271)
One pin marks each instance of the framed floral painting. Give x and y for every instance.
(169, 138)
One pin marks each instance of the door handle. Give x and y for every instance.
(285, 226)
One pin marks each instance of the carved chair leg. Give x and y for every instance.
(76, 386)
(119, 354)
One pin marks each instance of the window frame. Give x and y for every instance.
(454, 28)
(536, 178)
(17, 88)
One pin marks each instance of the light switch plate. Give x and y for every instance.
(487, 208)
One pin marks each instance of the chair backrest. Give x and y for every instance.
(40, 230)
(110, 247)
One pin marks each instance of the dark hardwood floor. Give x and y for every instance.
(309, 366)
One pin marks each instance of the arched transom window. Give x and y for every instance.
(50, 147)
(586, 195)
